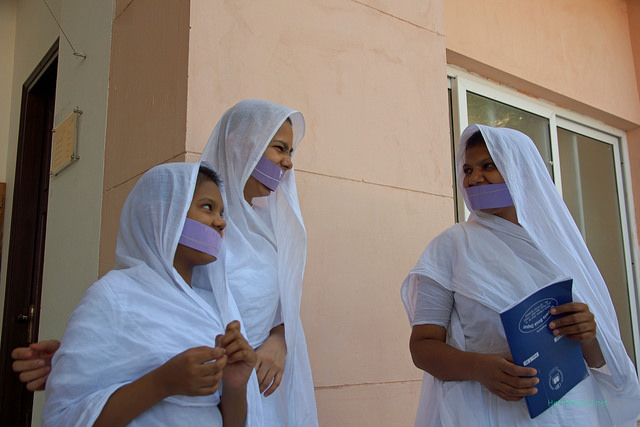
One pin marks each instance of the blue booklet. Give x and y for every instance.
(558, 359)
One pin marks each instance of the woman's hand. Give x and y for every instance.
(578, 323)
(272, 355)
(194, 372)
(33, 363)
(502, 377)
(240, 364)
(496, 372)
(241, 359)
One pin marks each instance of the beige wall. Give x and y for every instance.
(75, 196)
(8, 10)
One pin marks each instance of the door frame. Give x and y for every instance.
(27, 233)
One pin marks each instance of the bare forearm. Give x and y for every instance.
(233, 406)
(592, 353)
(496, 372)
(577, 322)
(129, 401)
(443, 361)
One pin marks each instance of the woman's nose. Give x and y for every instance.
(219, 223)
(477, 177)
(286, 163)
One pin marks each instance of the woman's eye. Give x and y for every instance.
(466, 171)
(207, 207)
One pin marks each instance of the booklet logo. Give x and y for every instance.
(537, 316)
(555, 378)
(586, 402)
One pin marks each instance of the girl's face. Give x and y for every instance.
(279, 151)
(479, 169)
(206, 208)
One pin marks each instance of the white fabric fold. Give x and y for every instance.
(490, 263)
(141, 314)
(266, 248)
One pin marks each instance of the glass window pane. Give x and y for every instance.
(488, 112)
(589, 189)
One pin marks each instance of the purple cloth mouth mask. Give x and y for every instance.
(268, 173)
(489, 196)
(200, 237)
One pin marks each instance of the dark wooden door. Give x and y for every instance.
(26, 245)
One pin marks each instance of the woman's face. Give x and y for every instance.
(280, 148)
(479, 169)
(279, 151)
(206, 208)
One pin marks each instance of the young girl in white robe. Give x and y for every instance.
(252, 147)
(472, 271)
(144, 347)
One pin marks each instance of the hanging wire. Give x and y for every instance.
(75, 53)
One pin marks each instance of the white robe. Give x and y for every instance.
(141, 314)
(266, 247)
(490, 263)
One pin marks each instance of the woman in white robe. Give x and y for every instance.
(266, 227)
(475, 269)
(145, 347)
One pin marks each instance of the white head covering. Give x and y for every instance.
(259, 249)
(141, 314)
(470, 260)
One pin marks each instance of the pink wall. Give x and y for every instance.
(576, 53)
(633, 137)
(146, 118)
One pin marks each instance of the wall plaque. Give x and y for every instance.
(64, 149)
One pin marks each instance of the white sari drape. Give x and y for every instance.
(492, 263)
(266, 247)
(141, 314)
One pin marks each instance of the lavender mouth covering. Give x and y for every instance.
(268, 173)
(200, 237)
(489, 196)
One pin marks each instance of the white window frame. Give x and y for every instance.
(462, 81)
